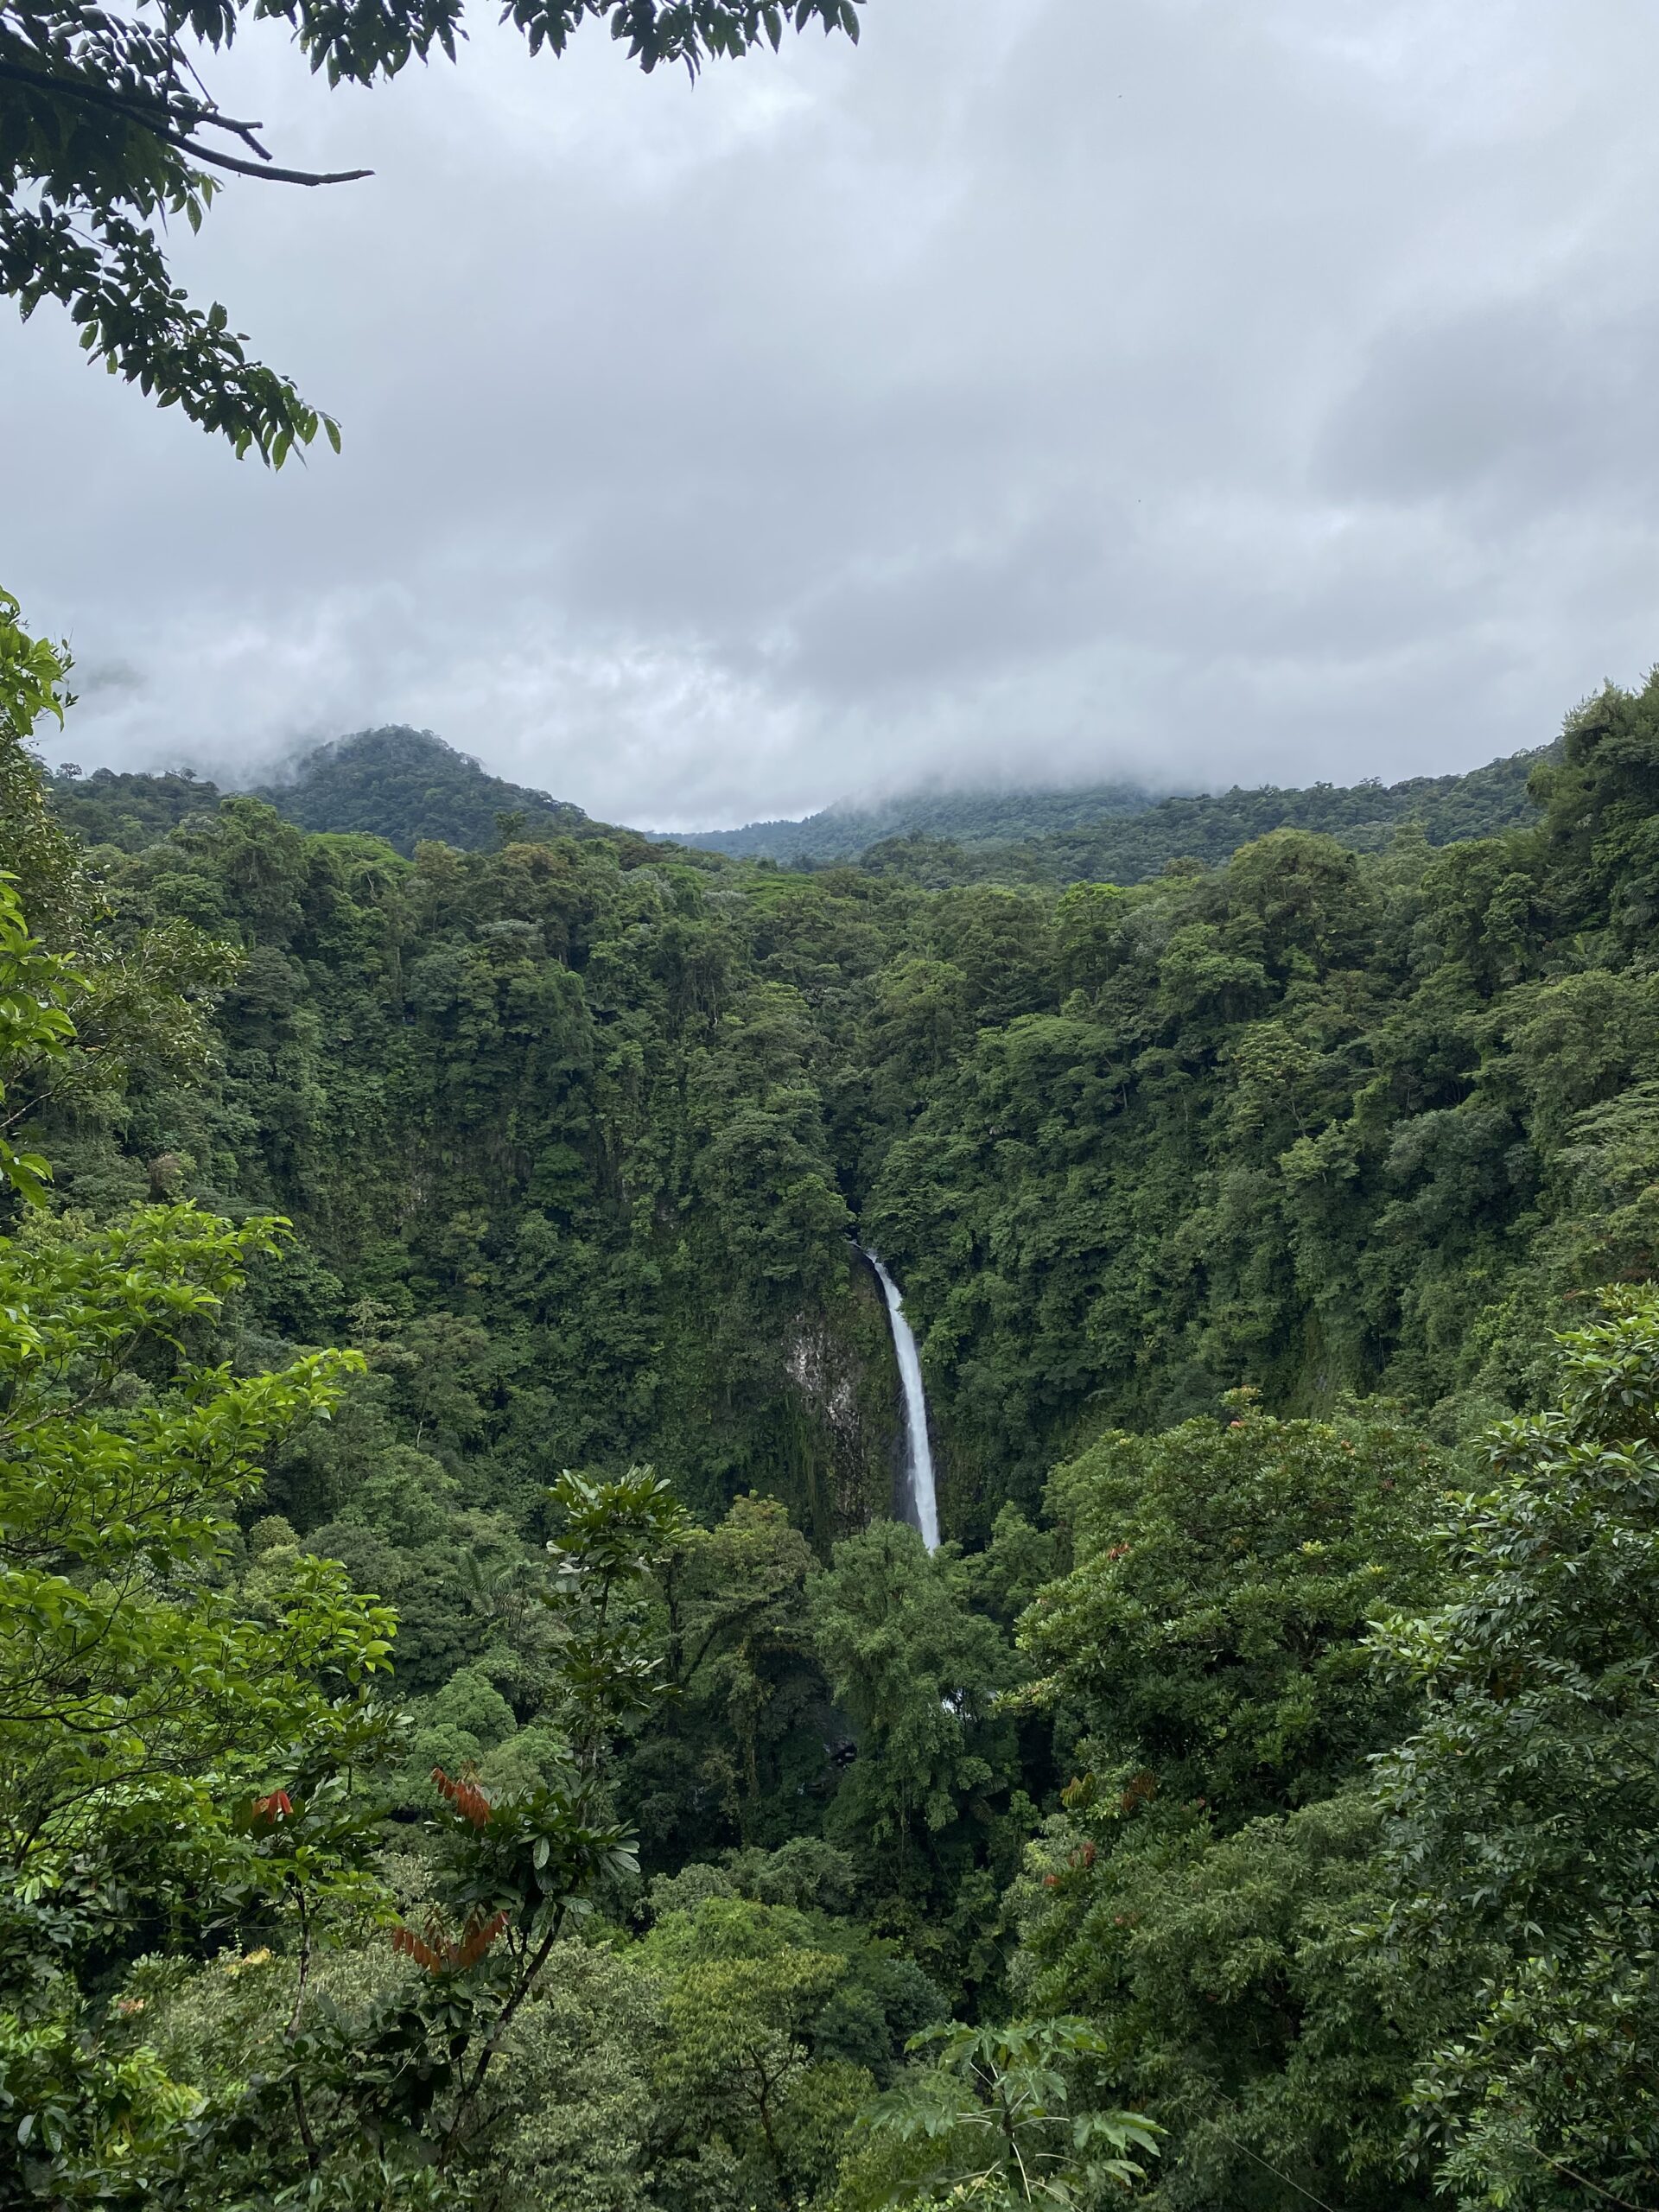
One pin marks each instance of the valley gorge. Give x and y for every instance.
(613, 1615)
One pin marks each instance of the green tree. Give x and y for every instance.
(1207, 1661)
(1209, 1642)
(1234, 1998)
(33, 1029)
(134, 1688)
(1522, 1813)
(129, 1002)
(170, 1753)
(930, 1807)
(917, 1673)
(782, 2021)
(107, 133)
(994, 2107)
(729, 1755)
(739, 2061)
(397, 2099)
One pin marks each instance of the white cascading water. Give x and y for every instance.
(919, 1497)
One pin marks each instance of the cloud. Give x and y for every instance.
(1041, 390)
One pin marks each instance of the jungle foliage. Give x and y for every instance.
(473, 1731)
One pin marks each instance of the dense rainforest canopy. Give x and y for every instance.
(472, 1730)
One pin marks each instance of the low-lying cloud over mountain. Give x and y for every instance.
(1168, 391)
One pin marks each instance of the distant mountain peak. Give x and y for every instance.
(410, 785)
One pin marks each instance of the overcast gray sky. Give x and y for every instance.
(1046, 389)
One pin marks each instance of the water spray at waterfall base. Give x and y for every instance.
(921, 1501)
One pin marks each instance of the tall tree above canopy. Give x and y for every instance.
(107, 131)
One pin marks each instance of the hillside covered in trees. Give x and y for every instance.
(408, 787)
(473, 1730)
(1119, 834)
(401, 785)
(842, 832)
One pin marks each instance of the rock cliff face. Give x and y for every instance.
(844, 1411)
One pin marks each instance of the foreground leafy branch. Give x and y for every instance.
(108, 134)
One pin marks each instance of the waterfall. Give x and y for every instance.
(921, 1505)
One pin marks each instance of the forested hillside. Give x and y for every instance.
(473, 1730)
(1117, 834)
(1314, 1119)
(407, 786)
(404, 784)
(401, 785)
(128, 808)
(841, 833)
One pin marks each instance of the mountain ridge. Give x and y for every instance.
(844, 831)
(407, 786)
(1114, 820)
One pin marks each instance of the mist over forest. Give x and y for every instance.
(407, 786)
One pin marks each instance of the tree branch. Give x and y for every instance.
(143, 118)
(469, 2090)
(269, 175)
